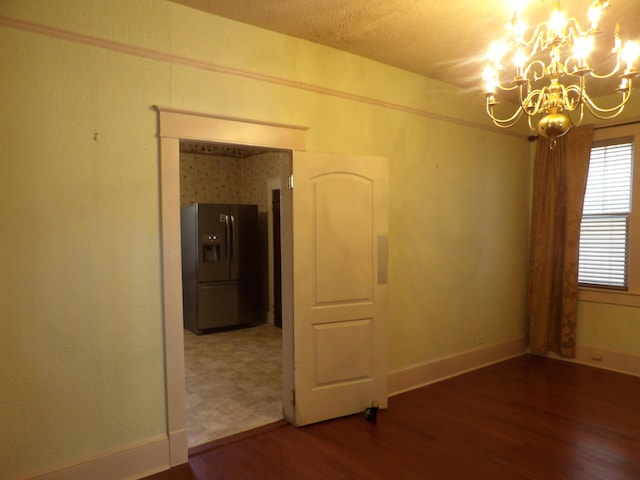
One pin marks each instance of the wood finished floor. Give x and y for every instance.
(525, 418)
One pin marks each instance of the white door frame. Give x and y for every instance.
(174, 126)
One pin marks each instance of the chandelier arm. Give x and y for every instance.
(506, 89)
(530, 122)
(575, 29)
(530, 67)
(536, 38)
(571, 60)
(570, 35)
(580, 91)
(523, 99)
(536, 106)
(579, 70)
(603, 113)
(535, 109)
(615, 70)
(507, 122)
(581, 114)
(580, 117)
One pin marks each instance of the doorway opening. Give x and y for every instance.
(175, 124)
(233, 376)
(277, 258)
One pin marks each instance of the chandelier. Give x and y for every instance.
(549, 72)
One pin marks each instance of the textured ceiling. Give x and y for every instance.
(441, 39)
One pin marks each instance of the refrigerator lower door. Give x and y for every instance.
(224, 304)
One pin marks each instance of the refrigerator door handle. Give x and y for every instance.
(227, 238)
(232, 240)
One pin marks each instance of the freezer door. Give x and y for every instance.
(213, 234)
(225, 304)
(218, 305)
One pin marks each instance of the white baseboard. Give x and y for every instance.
(421, 374)
(153, 455)
(130, 463)
(178, 447)
(606, 359)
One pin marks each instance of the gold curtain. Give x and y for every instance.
(560, 177)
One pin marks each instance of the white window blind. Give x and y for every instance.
(604, 231)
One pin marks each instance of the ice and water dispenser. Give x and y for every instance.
(211, 248)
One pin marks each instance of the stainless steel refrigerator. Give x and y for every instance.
(219, 274)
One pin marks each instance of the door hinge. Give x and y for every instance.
(291, 182)
(292, 397)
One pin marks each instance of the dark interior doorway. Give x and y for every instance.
(277, 269)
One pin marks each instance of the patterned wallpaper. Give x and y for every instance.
(209, 179)
(216, 179)
(256, 170)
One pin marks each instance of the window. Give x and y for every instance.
(609, 264)
(604, 231)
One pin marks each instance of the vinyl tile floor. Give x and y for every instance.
(233, 381)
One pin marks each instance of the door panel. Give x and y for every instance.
(339, 303)
(335, 343)
(342, 204)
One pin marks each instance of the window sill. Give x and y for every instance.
(596, 295)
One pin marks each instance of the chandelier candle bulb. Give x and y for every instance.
(582, 48)
(490, 76)
(519, 60)
(554, 94)
(617, 44)
(557, 23)
(630, 54)
(624, 84)
(594, 16)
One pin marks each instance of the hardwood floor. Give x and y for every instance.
(525, 418)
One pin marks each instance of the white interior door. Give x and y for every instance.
(340, 224)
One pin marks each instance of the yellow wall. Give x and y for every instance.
(615, 328)
(610, 321)
(81, 347)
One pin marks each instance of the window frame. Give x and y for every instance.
(613, 295)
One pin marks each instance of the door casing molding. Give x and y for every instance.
(176, 125)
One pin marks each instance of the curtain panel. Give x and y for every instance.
(560, 177)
